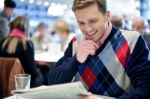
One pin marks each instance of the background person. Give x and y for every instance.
(5, 17)
(62, 29)
(116, 21)
(138, 24)
(18, 45)
(41, 39)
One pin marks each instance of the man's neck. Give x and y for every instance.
(105, 35)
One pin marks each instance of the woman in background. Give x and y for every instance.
(62, 29)
(18, 44)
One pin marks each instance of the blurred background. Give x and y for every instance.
(49, 11)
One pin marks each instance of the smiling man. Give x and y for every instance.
(108, 61)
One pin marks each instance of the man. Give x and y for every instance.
(108, 61)
(138, 24)
(5, 17)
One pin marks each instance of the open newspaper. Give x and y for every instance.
(60, 91)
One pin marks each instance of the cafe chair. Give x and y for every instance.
(9, 67)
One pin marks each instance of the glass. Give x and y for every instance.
(22, 81)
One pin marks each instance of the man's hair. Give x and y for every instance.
(80, 4)
(42, 25)
(10, 3)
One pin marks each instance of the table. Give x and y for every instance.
(51, 57)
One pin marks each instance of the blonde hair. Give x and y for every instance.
(62, 26)
(12, 42)
(21, 23)
(80, 4)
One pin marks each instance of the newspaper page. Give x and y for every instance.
(60, 91)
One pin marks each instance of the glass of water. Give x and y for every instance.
(22, 81)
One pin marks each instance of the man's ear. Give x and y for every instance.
(107, 16)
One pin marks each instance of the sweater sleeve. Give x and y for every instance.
(65, 69)
(138, 69)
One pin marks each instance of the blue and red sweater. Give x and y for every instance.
(120, 68)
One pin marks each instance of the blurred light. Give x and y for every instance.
(22, 0)
(59, 6)
(53, 4)
(39, 2)
(31, 1)
(64, 6)
(56, 9)
(1, 4)
(46, 3)
(33, 23)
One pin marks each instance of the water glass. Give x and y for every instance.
(22, 81)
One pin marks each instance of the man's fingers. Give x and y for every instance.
(91, 52)
(90, 43)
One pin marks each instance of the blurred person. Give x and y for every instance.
(5, 17)
(18, 45)
(116, 21)
(4, 28)
(108, 61)
(126, 22)
(41, 39)
(149, 23)
(62, 29)
(138, 24)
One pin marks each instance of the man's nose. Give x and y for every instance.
(87, 28)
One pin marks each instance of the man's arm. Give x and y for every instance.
(138, 69)
(65, 69)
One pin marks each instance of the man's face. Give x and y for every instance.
(138, 25)
(9, 11)
(42, 32)
(91, 22)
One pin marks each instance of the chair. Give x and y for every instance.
(8, 68)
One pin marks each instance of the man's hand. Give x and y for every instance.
(86, 48)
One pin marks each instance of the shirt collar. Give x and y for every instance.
(108, 30)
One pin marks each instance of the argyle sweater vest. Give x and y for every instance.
(105, 72)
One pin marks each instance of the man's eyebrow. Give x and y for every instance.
(93, 19)
(80, 21)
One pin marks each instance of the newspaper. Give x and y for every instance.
(60, 91)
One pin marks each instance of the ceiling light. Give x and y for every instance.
(46, 3)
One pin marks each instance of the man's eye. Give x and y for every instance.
(94, 21)
(81, 23)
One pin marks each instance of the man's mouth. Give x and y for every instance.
(91, 33)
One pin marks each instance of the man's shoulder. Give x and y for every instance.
(2, 15)
(3, 19)
(146, 33)
(129, 33)
(131, 37)
(146, 36)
